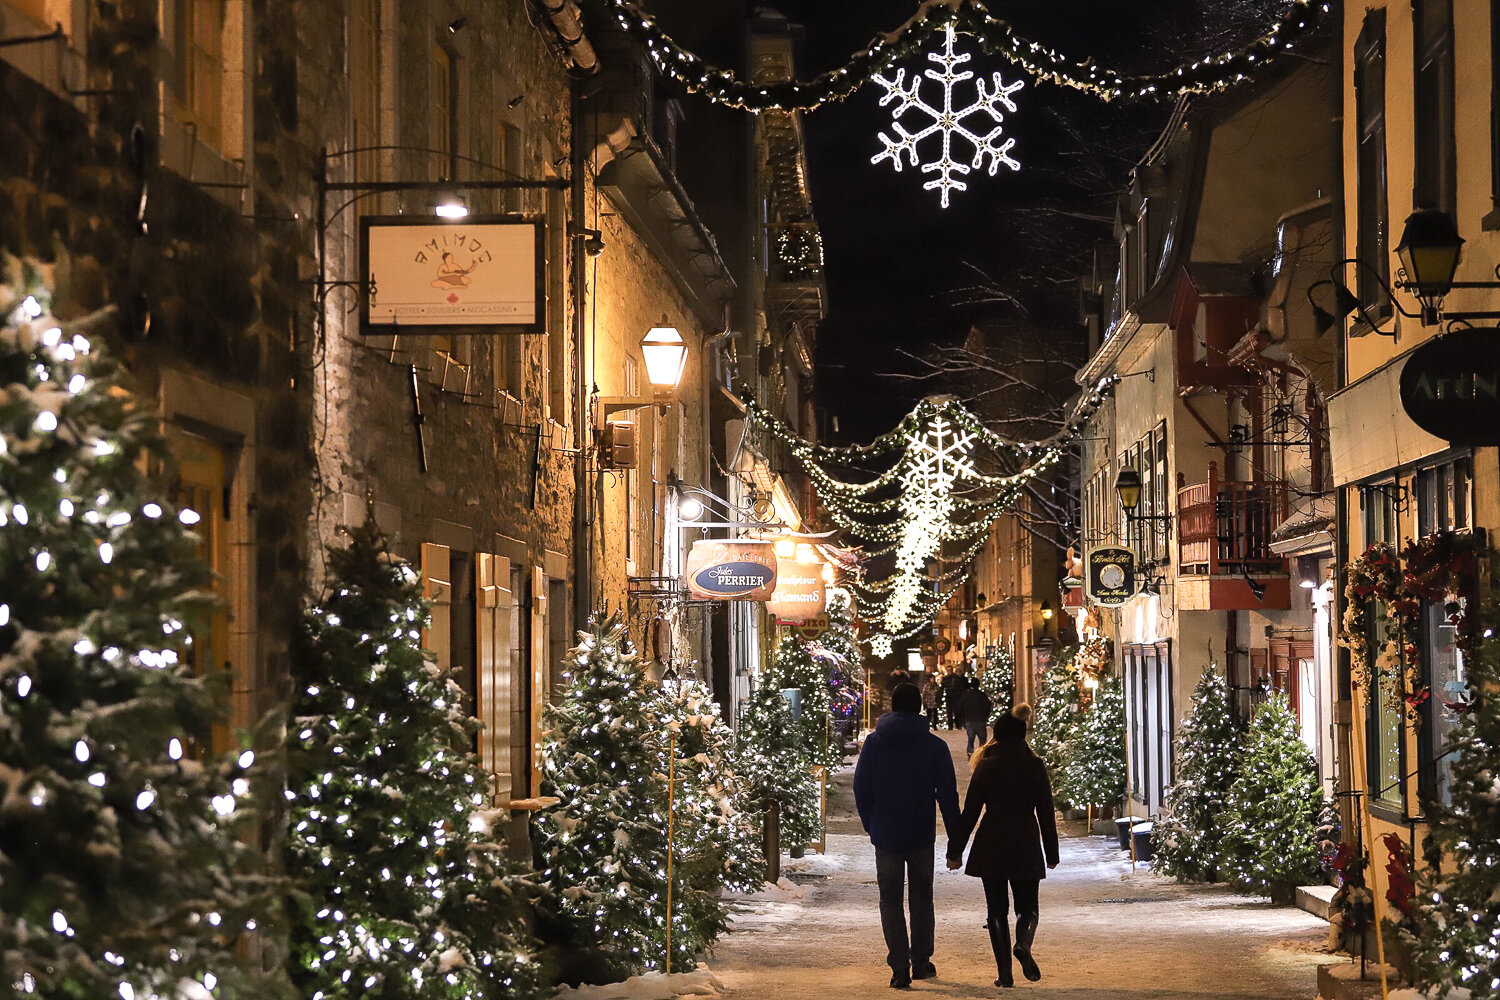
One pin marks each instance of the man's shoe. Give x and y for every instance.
(900, 981)
(924, 970)
(1005, 983)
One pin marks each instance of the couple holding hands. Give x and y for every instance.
(903, 771)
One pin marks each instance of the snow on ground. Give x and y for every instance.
(701, 982)
(1106, 931)
(782, 891)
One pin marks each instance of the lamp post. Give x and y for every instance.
(1128, 489)
(666, 356)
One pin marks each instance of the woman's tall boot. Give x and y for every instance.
(1000, 942)
(1025, 934)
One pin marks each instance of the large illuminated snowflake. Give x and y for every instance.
(947, 121)
(939, 456)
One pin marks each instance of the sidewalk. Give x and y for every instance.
(1105, 931)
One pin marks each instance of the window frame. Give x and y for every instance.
(1372, 178)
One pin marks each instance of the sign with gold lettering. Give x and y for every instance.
(1109, 575)
(731, 570)
(481, 274)
(800, 590)
(1450, 387)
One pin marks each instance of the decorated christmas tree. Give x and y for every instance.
(1458, 946)
(716, 831)
(405, 893)
(999, 682)
(795, 667)
(1096, 760)
(1054, 721)
(1270, 839)
(772, 761)
(603, 849)
(1206, 755)
(846, 674)
(121, 866)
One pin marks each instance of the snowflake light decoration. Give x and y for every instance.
(881, 646)
(947, 121)
(941, 455)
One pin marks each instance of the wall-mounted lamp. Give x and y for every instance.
(1047, 612)
(449, 204)
(1128, 489)
(666, 356)
(1257, 588)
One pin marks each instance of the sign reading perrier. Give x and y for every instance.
(1109, 576)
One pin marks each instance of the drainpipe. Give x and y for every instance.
(583, 551)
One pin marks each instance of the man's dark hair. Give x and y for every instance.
(906, 698)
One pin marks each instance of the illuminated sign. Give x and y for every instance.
(731, 570)
(800, 590)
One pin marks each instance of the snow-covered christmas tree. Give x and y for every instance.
(122, 871)
(1096, 759)
(772, 762)
(999, 682)
(405, 893)
(1206, 757)
(716, 830)
(795, 667)
(846, 679)
(1458, 946)
(603, 849)
(1270, 840)
(1054, 721)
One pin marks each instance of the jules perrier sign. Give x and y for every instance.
(481, 274)
(1109, 575)
(1450, 387)
(731, 570)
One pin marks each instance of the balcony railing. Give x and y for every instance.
(1226, 527)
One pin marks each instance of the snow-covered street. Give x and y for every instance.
(1105, 931)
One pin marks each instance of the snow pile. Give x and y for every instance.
(817, 864)
(701, 982)
(781, 891)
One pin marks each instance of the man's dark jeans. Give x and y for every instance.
(894, 871)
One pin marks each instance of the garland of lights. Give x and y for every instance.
(1300, 21)
(942, 496)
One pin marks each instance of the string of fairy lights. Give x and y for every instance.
(1298, 22)
(931, 497)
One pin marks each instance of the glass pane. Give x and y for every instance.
(1385, 735)
(1447, 680)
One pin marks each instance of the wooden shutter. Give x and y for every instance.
(437, 587)
(493, 694)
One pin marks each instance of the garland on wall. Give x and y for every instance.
(1300, 21)
(1442, 567)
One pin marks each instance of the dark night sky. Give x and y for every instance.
(894, 257)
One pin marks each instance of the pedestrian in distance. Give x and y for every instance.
(974, 708)
(903, 772)
(953, 689)
(1015, 842)
(932, 693)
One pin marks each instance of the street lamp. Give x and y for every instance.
(1429, 251)
(1128, 489)
(450, 204)
(665, 355)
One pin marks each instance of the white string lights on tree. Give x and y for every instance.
(933, 503)
(947, 123)
(1299, 22)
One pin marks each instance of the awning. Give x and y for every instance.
(1371, 431)
(1308, 529)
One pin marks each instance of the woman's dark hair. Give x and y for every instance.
(1009, 729)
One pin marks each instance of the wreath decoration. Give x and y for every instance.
(1441, 567)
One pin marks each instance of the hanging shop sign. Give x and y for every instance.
(482, 274)
(810, 629)
(1450, 387)
(800, 590)
(731, 570)
(1109, 575)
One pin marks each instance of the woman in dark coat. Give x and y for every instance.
(1015, 844)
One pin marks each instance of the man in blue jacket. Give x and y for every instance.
(902, 771)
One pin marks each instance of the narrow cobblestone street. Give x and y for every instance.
(1105, 932)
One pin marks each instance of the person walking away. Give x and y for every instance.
(1014, 845)
(974, 708)
(953, 689)
(902, 772)
(932, 692)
